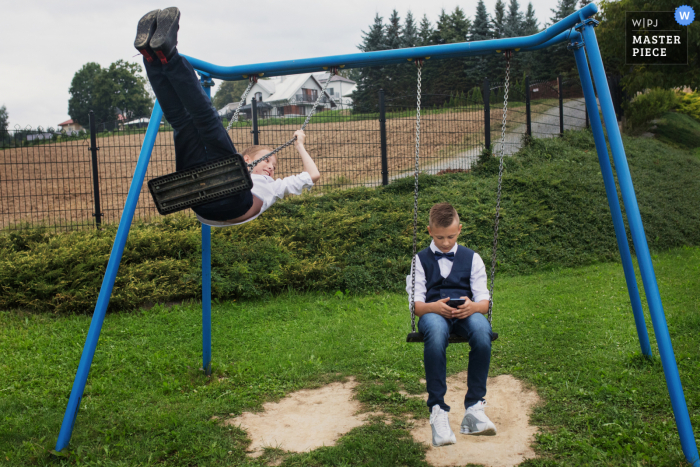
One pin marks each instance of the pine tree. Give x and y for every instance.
(481, 27)
(530, 25)
(564, 8)
(535, 58)
(410, 36)
(477, 68)
(499, 19)
(426, 32)
(561, 60)
(514, 20)
(371, 79)
(393, 32)
(459, 26)
(584, 3)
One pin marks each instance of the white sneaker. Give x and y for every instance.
(475, 421)
(439, 422)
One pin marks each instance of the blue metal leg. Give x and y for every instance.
(206, 299)
(613, 202)
(108, 282)
(207, 83)
(668, 360)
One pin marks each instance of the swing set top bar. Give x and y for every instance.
(554, 34)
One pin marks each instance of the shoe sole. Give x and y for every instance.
(144, 32)
(442, 445)
(167, 19)
(486, 432)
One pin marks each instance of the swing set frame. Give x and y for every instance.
(578, 31)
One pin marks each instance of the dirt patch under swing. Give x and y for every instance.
(308, 419)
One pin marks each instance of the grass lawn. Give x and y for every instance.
(568, 333)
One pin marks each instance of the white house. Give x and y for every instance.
(339, 89)
(70, 127)
(294, 95)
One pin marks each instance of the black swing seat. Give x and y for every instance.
(454, 338)
(200, 185)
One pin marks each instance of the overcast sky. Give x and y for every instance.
(46, 42)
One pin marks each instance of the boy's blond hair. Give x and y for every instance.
(443, 215)
(256, 148)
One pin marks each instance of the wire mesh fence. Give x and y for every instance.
(46, 178)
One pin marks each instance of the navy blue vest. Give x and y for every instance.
(456, 284)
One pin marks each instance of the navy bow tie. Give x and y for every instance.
(439, 255)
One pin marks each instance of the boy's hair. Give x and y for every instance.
(253, 150)
(443, 215)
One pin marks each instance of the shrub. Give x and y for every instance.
(554, 214)
(689, 103)
(648, 106)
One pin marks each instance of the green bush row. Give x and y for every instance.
(554, 210)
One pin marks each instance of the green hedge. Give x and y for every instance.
(555, 214)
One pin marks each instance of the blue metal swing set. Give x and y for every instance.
(578, 31)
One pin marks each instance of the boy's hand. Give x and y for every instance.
(465, 310)
(441, 308)
(301, 136)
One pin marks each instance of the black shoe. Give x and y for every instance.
(144, 32)
(164, 39)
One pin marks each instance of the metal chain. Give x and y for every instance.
(251, 165)
(234, 119)
(419, 64)
(500, 178)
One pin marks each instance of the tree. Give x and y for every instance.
(371, 79)
(120, 88)
(513, 26)
(530, 25)
(499, 19)
(4, 116)
(104, 90)
(82, 94)
(478, 67)
(229, 91)
(410, 36)
(425, 32)
(560, 60)
(531, 60)
(481, 26)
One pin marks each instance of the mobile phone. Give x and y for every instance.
(455, 302)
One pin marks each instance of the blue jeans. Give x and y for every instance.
(197, 130)
(436, 331)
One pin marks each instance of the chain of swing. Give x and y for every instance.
(252, 81)
(419, 65)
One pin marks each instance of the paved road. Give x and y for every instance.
(544, 125)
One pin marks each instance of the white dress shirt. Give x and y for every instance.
(477, 281)
(269, 191)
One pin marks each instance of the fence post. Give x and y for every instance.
(528, 115)
(95, 174)
(486, 93)
(382, 136)
(254, 105)
(588, 124)
(561, 106)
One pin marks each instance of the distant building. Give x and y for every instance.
(295, 95)
(70, 127)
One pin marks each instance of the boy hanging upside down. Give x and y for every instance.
(444, 271)
(199, 136)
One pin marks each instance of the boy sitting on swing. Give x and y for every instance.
(444, 271)
(199, 136)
